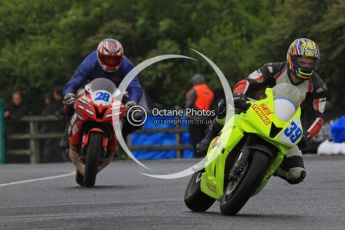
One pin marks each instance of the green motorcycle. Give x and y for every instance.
(247, 152)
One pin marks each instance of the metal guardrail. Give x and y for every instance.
(34, 136)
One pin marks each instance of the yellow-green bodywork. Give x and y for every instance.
(257, 120)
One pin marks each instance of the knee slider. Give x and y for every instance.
(296, 175)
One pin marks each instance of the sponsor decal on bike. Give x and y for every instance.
(211, 186)
(261, 114)
(265, 109)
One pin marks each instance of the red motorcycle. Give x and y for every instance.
(91, 134)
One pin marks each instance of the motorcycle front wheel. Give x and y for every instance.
(237, 192)
(79, 178)
(93, 153)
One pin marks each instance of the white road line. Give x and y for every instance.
(38, 179)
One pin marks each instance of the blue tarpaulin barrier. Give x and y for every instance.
(187, 153)
(338, 130)
(142, 139)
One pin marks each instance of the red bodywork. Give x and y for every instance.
(91, 117)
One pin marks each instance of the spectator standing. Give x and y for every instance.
(200, 97)
(16, 108)
(13, 112)
(51, 152)
(48, 107)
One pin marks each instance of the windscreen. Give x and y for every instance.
(102, 91)
(102, 84)
(289, 92)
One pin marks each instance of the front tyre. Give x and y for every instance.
(238, 192)
(194, 198)
(93, 153)
(79, 178)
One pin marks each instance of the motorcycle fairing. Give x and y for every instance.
(260, 120)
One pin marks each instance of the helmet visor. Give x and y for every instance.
(305, 66)
(110, 60)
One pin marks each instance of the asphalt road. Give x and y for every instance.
(125, 199)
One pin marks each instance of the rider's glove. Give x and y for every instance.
(221, 109)
(130, 104)
(240, 102)
(69, 99)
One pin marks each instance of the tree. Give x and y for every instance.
(42, 42)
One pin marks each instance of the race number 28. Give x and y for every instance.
(293, 132)
(102, 96)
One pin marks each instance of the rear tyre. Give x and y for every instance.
(194, 198)
(238, 192)
(93, 153)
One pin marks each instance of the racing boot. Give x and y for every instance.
(292, 168)
(64, 142)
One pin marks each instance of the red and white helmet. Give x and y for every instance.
(110, 54)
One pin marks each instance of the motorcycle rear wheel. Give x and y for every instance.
(236, 194)
(194, 198)
(93, 154)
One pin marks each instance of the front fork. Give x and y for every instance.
(240, 163)
(212, 180)
(255, 143)
(85, 141)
